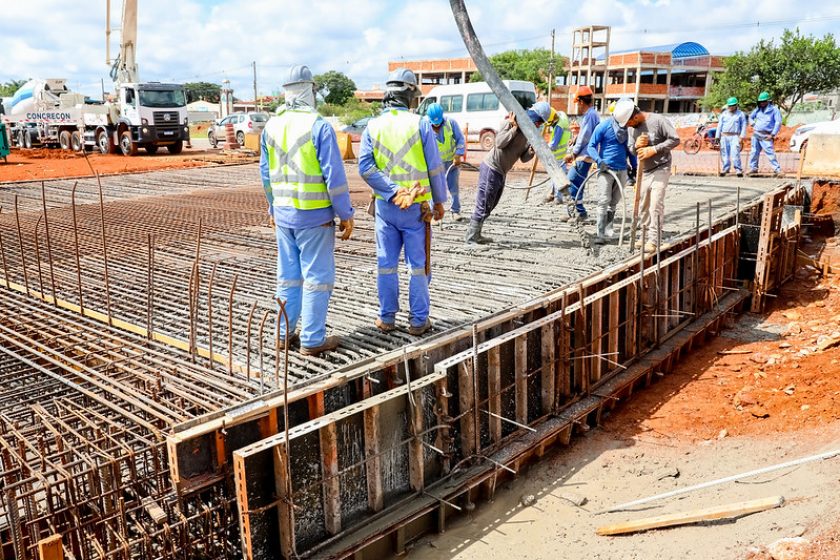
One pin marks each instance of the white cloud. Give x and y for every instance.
(188, 40)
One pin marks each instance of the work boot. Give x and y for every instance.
(474, 234)
(330, 343)
(457, 217)
(752, 173)
(293, 341)
(650, 247)
(422, 329)
(599, 240)
(722, 174)
(548, 198)
(383, 326)
(739, 174)
(778, 174)
(609, 231)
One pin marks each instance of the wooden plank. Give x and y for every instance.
(241, 485)
(614, 328)
(521, 375)
(564, 382)
(373, 460)
(684, 518)
(285, 513)
(494, 392)
(549, 368)
(597, 362)
(328, 436)
(632, 320)
(764, 243)
(51, 548)
(662, 303)
(674, 299)
(466, 406)
(415, 446)
(582, 343)
(688, 283)
(442, 437)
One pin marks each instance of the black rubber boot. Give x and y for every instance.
(474, 236)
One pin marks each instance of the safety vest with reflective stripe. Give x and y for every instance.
(447, 147)
(560, 151)
(398, 150)
(294, 170)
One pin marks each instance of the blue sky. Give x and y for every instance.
(210, 40)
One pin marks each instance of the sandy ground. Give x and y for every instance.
(762, 393)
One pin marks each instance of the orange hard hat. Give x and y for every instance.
(583, 91)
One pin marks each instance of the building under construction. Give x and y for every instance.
(149, 413)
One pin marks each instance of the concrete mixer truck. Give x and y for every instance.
(146, 115)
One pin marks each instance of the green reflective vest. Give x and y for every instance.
(398, 150)
(447, 146)
(560, 151)
(294, 170)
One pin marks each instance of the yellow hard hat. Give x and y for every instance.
(611, 107)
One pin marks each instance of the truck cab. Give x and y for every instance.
(151, 115)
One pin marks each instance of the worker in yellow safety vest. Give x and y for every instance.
(399, 159)
(306, 187)
(559, 135)
(452, 147)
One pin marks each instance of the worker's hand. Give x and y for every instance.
(512, 118)
(458, 159)
(439, 212)
(346, 226)
(271, 221)
(602, 166)
(645, 153)
(642, 141)
(402, 199)
(569, 159)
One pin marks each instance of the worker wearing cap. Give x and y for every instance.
(608, 149)
(651, 138)
(452, 147)
(303, 176)
(731, 130)
(558, 142)
(510, 146)
(578, 155)
(766, 120)
(399, 159)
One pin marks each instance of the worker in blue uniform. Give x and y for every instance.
(452, 147)
(399, 159)
(306, 187)
(766, 120)
(730, 131)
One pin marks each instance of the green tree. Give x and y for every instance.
(336, 87)
(9, 88)
(203, 90)
(798, 65)
(524, 64)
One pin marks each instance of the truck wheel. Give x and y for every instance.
(175, 148)
(27, 140)
(151, 149)
(212, 138)
(127, 146)
(64, 139)
(76, 141)
(240, 139)
(104, 143)
(487, 140)
(21, 140)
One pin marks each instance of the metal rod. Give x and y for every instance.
(150, 319)
(441, 500)
(104, 252)
(3, 255)
(20, 244)
(509, 421)
(248, 341)
(210, 315)
(76, 247)
(498, 464)
(230, 323)
(49, 244)
(38, 256)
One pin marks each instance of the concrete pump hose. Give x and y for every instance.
(462, 19)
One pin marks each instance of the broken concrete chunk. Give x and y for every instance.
(789, 548)
(574, 498)
(826, 342)
(528, 500)
(667, 472)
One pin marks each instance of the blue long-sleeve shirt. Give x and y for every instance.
(460, 143)
(332, 168)
(731, 122)
(591, 120)
(604, 146)
(555, 139)
(381, 183)
(767, 121)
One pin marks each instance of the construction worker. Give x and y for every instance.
(730, 131)
(452, 147)
(608, 149)
(510, 146)
(651, 138)
(559, 134)
(304, 180)
(766, 120)
(400, 161)
(578, 156)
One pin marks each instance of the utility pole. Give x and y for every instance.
(551, 70)
(256, 104)
(102, 83)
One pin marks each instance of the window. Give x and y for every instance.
(129, 97)
(452, 103)
(525, 98)
(258, 117)
(162, 98)
(424, 107)
(482, 102)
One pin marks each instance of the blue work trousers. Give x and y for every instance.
(397, 229)
(730, 152)
(577, 175)
(763, 142)
(452, 175)
(305, 279)
(491, 185)
(558, 194)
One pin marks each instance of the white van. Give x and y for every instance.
(481, 111)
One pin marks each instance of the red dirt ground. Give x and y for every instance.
(782, 143)
(29, 165)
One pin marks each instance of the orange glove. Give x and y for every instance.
(569, 158)
(439, 212)
(457, 161)
(346, 226)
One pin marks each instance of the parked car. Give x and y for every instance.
(355, 130)
(801, 134)
(242, 124)
(481, 111)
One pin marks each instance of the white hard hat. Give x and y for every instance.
(299, 74)
(624, 109)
